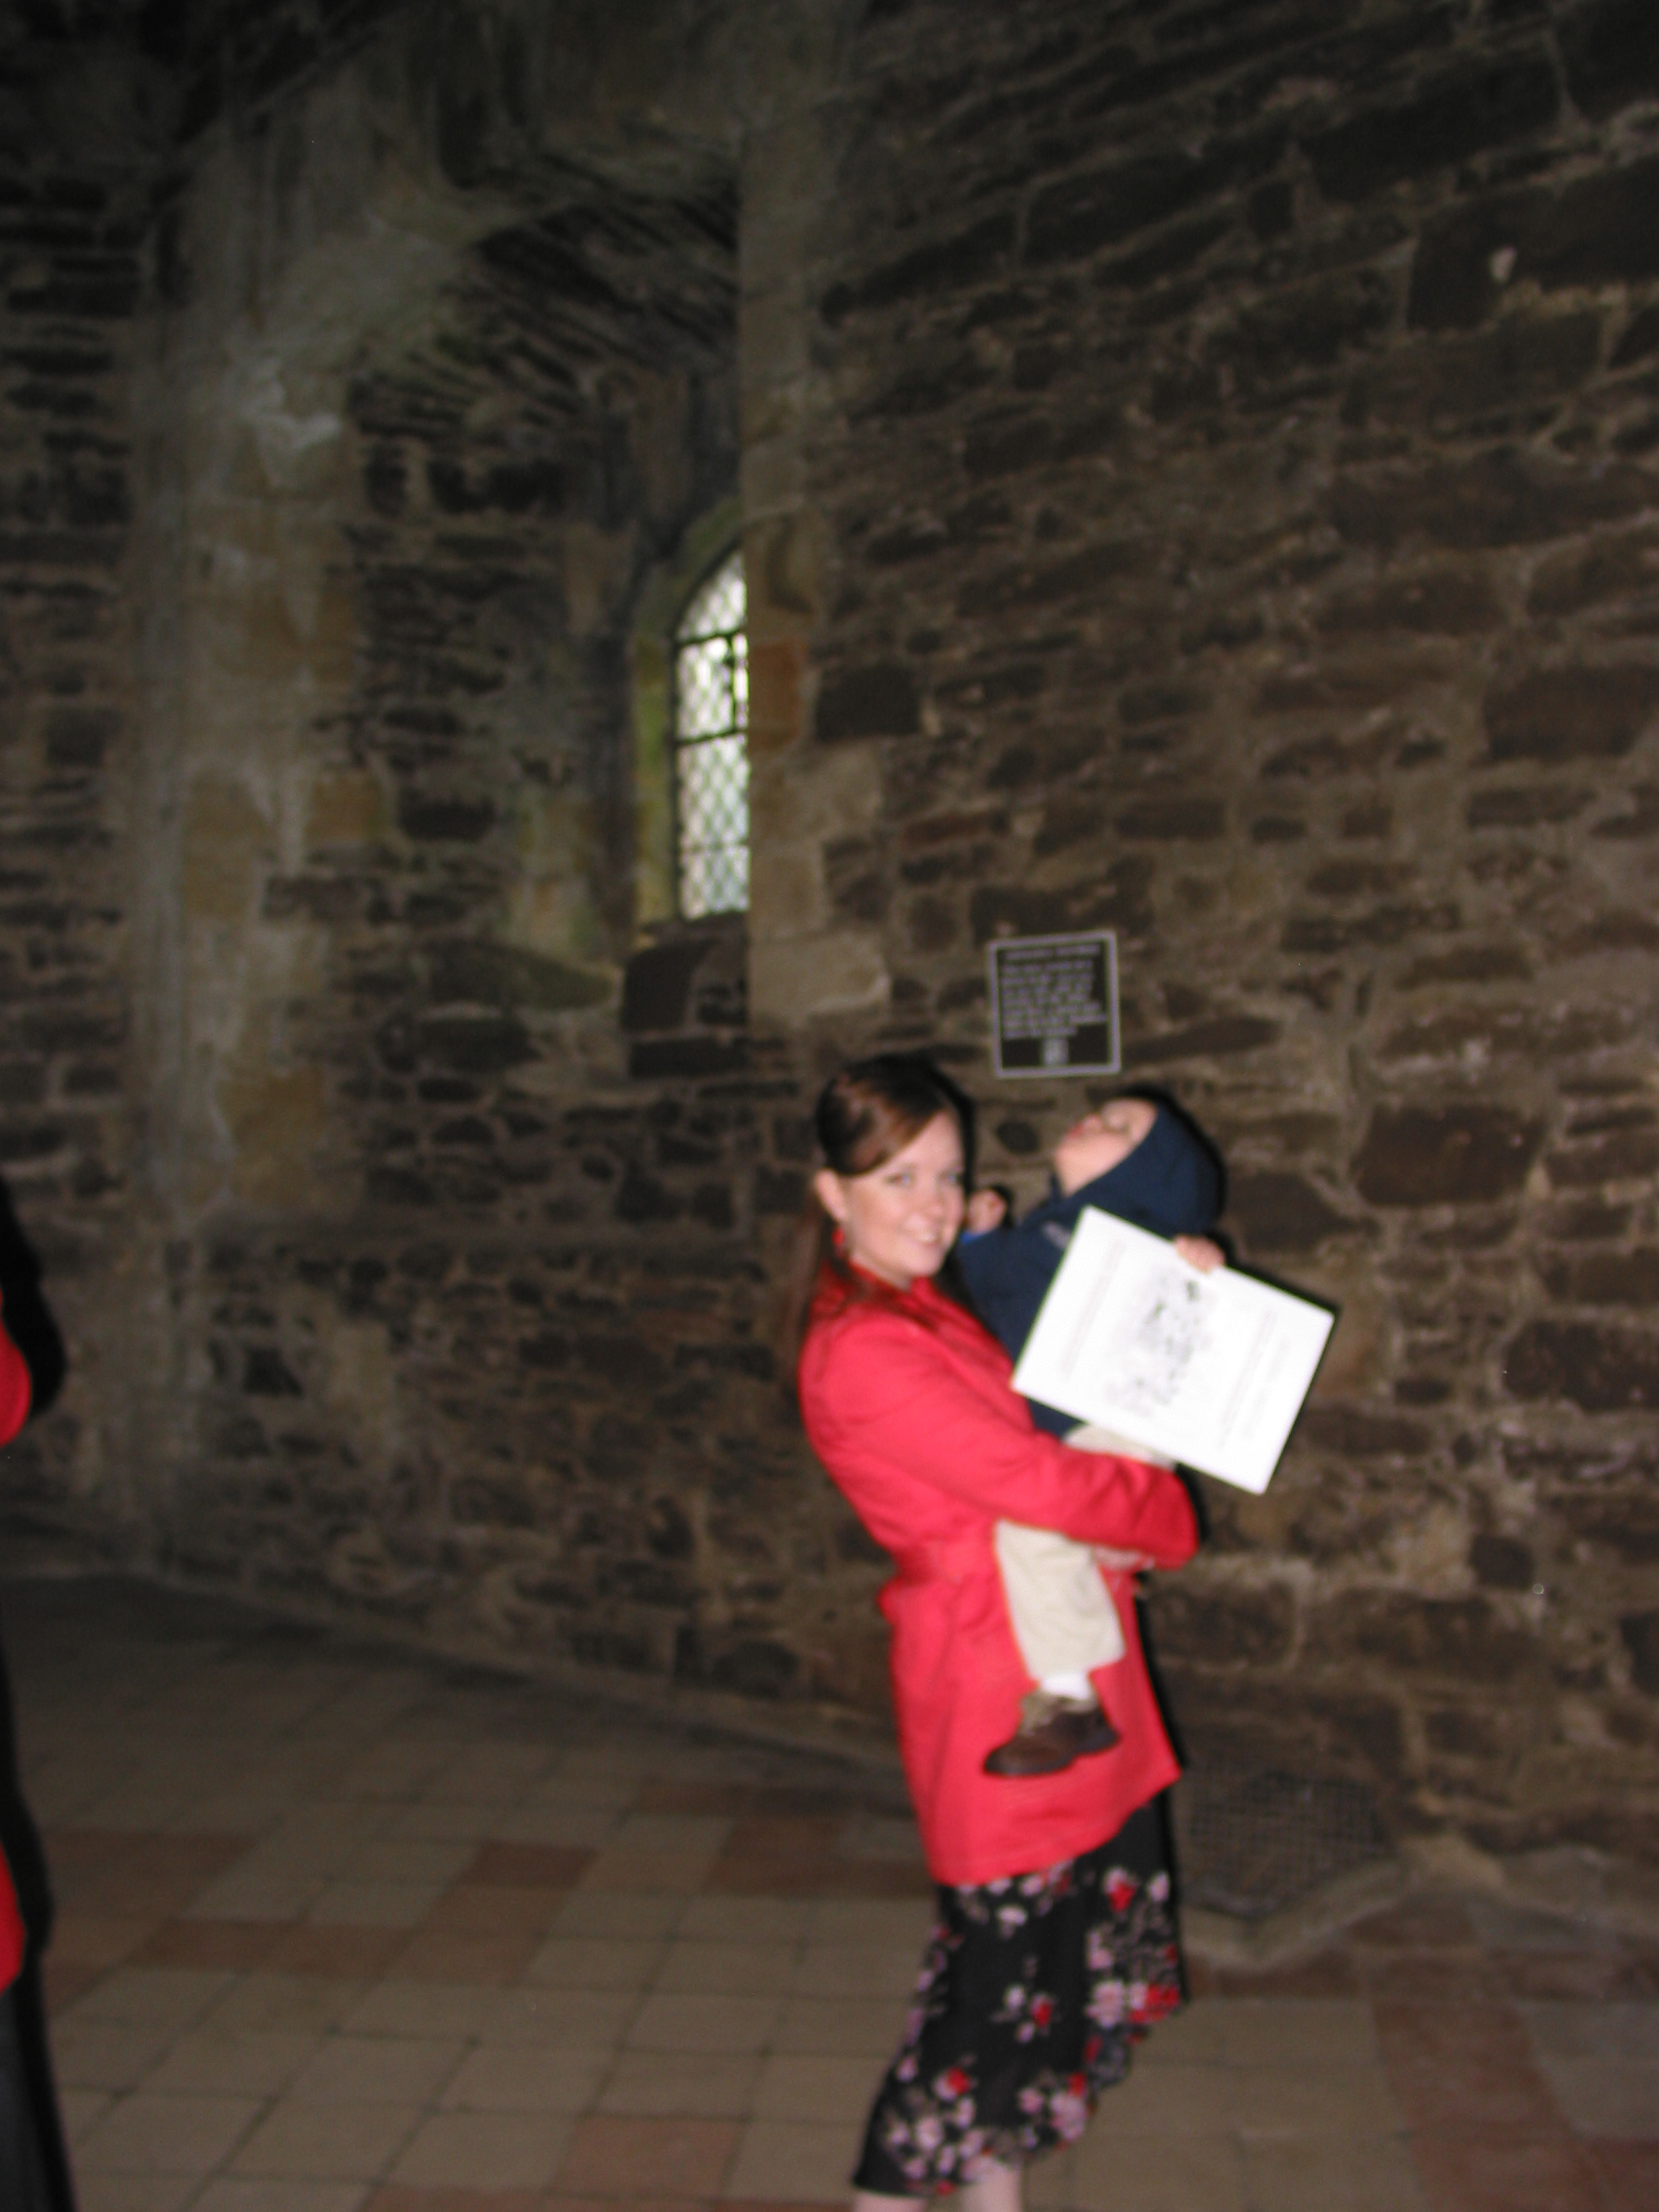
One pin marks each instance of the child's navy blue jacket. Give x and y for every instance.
(1168, 1184)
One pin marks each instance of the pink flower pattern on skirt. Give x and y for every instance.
(1033, 1992)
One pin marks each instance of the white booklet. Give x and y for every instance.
(1211, 1370)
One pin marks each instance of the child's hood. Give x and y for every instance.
(1169, 1183)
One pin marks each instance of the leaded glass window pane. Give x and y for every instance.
(711, 722)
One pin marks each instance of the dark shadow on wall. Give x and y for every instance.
(29, 1325)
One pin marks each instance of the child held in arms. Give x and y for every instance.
(1138, 1161)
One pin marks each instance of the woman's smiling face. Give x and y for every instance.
(901, 1219)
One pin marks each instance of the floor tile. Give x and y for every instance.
(1330, 2174)
(1278, 2031)
(1629, 2173)
(783, 2161)
(609, 1961)
(230, 2195)
(1557, 2030)
(134, 2193)
(106, 2054)
(1506, 2173)
(1574, 1976)
(642, 2157)
(746, 1920)
(237, 1947)
(526, 2078)
(704, 2023)
(1327, 1974)
(836, 2091)
(613, 1868)
(752, 1969)
(144, 2133)
(1605, 2095)
(856, 1970)
(1463, 2069)
(528, 1866)
(168, 1999)
(339, 1950)
(311, 2139)
(495, 1909)
(1108, 2173)
(839, 2027)
(443, 1954)
(683, 2084)
(632, 1914)
(374, 1905)
(485, 2150)
(1308, 2099)
(285, 2003)
(378, 2070)
(233, 2065)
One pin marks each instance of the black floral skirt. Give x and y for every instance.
(1032, 1994)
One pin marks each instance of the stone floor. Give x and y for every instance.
(347, 1933)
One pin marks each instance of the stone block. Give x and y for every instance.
(474, 1043)
(693, 1060)
(1521, 363)
(1502, 1563)
(475, 971)
(1222, 1036)
(1639, 1634)
(656, 984)
(1611, 52)
(777, 677)
(1595, 1366)
(792, 979)
(347, 807)
(1554, 715)
(1440, 601)
(1605, 1278)
(1423, 1156)
(1359, 1432)
(1281, 1212)
(951, 264)
(1103, 206)
(1307, 326)
(1224, 1626)
(1183, 818)
(1462, 112)
(877, 700)
(1119, 898)
(1499, 498)
(1461, 1640)
(429, 818)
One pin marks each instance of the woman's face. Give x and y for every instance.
(901, 1218)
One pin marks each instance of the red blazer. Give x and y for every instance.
(14, 1412)
(909, 1405)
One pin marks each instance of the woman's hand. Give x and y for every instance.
(1199, 1252)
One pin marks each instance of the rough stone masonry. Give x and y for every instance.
(1195, 472)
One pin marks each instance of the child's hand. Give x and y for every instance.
(1120, 1562)
(986, 1210)
(1199, 1252)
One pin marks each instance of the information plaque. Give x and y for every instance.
(1054, 1003)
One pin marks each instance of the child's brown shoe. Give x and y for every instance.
(1053, 1732)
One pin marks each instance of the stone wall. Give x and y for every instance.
(1193, 471)
(1231, 439)
(74, 220)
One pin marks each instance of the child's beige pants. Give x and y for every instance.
(1064, 1621)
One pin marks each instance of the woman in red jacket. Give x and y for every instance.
(1056, 1944)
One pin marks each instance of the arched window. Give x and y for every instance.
(711, 745)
